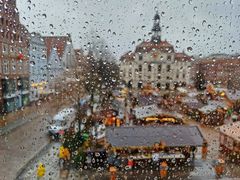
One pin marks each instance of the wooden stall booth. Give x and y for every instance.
(171, 143)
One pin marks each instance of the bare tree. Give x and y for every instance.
(103, 72)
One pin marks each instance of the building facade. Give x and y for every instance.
(220, 70)
(38, 67)
(60, 57)
(14, 61)
(155, 62)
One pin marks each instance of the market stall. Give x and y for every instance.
(230, 140)
(153, 143)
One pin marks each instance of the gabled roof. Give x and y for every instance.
(58, 42)
(147, 136)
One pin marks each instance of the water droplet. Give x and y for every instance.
(44, 15)
(32, 63)
(189, 49)
(204, 22)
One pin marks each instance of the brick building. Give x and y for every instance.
(220, 70)
(14, 61)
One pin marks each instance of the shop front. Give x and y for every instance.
(25, 99)
(9, 104)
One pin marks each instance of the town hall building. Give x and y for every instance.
(155, 62)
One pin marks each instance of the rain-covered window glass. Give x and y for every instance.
(133, 89)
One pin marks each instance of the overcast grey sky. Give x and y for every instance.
(207, 26)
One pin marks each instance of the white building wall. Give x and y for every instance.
(37, 67)
(179, 71)
(68, 57)
(55, 69)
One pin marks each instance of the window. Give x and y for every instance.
(184, 74)
(5, 67)
(177, 75)
(139, 68)
(5, 48)
(130, 73)
(149, 67)
(168, 68)
(13, 66)
(159, 68)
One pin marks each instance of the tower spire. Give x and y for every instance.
(156, 37)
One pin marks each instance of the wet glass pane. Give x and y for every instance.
(103, 89)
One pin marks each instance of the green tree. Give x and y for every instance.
(200, 81)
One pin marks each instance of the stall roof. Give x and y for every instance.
(146, 111)
(153, 110)
(212, 106)
(192, 102)
(232, 130)
(189, 100)
(148, 100)
(135, 136)
(192, 94)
